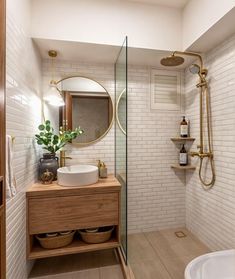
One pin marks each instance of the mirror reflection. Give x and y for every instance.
(88, 105)
(121, 111)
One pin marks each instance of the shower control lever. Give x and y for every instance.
(201, 155)
(193, 154)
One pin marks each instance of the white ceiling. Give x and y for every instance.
(95, 53)
(76, 51)
(168, 3)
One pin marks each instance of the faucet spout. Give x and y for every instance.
(63, 157)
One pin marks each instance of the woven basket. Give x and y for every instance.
(96, 237)
(55, 242)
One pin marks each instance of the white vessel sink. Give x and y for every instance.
(77, 175)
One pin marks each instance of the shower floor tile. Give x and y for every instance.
(162, 254)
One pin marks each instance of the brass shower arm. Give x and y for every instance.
(188, 53)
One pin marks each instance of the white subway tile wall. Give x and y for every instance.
(210, 215)
(156, 194)
(23, 114)
(104, 74)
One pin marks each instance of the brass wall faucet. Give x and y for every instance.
(63, 158)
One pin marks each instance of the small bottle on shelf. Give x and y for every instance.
(184, 128)
(183, 158)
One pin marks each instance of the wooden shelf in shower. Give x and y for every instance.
(179, 139)
(188, 167)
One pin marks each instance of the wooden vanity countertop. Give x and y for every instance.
(109, 184)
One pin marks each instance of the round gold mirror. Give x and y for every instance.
(121, 111)
(88, 105)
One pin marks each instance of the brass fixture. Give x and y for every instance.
(63, 158)
(174, 60)
(53, 95)
(201, 155)
(52, 53)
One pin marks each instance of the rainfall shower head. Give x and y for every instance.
(194, 69)
(172, 60)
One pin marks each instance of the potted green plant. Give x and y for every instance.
(52, 142)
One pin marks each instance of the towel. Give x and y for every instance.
(10, 177)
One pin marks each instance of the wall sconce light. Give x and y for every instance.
(53, 95)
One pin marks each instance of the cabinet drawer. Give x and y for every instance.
(72, 212)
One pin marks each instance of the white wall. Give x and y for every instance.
(20, 12)
(199, 16)
(147, 26)
(23, 114)
(107, 22)
(210, 214)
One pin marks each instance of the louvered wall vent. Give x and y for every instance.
(165, 90)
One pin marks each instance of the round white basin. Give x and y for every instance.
(77, 175)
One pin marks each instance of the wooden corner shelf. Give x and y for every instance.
(179, 139)
(188, 167)
(77, 246)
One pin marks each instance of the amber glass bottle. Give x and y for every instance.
(183, 158)
(184, 128)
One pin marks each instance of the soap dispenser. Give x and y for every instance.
(103, 172)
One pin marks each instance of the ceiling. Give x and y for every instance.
(168, 3)
(96, 53)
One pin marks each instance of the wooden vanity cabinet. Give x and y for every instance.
(53, 208)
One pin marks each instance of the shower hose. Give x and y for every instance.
(209, 154)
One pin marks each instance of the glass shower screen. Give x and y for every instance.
(121, 137)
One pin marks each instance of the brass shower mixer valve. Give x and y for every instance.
(201, 155)
(201, 84)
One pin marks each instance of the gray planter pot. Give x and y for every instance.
(48, 162)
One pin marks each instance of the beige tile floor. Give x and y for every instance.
(162, 255)
(153, 255)
(94, 265)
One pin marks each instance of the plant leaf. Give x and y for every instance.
(41, 127)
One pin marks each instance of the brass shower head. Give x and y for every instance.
(175, 60)
(172, 60)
